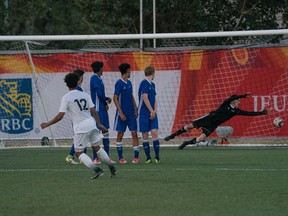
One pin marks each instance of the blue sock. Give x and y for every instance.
(146, 149)
(119, 149)
(106, 144)
(72, 150)
(85, 150)
(136, 151)
(156, 146)
(94, 155)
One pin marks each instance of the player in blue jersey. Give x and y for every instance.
(126, 112)
(148, 119)
(70, 157)
(97, 91)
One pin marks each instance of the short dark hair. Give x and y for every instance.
(124, 67)
(79, 72)
(149, 71)
(96, 66)
(71, 79)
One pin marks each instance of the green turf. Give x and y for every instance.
(195, 181)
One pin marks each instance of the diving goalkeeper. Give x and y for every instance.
(208, 123)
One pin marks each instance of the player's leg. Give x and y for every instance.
(70, 157)
(120, 126)
(193, 141)
(95, 137)
(146, 147)
(156, 144)
(104, 118)
(207, 127)
(119, 147)
(144, 128)
(180, 131)
(80, 142)
(135, 147)
(106, 144)
(105, 158)
(132, 125)
(95, 157)
(153, 126)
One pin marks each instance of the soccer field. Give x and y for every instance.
(195, 181)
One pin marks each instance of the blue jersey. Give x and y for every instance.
(79, 88)
(145, 124)
(124, 90)
(97, 92)
(148, 88)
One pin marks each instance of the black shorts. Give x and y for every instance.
(206, 124)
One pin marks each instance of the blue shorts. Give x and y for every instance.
(104, 118)
(146, 124)
(120, 126)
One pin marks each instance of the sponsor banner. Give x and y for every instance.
(16, 102)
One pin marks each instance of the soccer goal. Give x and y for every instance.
(195, 72)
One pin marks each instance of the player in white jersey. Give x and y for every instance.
(80, 107)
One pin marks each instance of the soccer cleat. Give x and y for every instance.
(96, 161)
(70, 159)
(148, 161)
(122, 161)
(185, 143)
(135, 160)
(113, 170)
(98, 172)
(172, 136)
(157, 160)
(112, 162)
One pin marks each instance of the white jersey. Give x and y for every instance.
(77, 104)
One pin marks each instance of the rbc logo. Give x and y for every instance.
(16, 113)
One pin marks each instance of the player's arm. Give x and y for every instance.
(108, 100)
(95, 90)
(156, 105)
(235, 97)
(56, 119)
(247, 113)
(148, 105)
(101, 96)
(117, 104)
(135, 107)
(97, 119)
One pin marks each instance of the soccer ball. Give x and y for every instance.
(45, 141)
(278, 122)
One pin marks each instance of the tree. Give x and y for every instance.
(122, 16)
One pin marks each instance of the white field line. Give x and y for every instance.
(152, 169)
(163, 145)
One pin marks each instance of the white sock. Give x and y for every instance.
(86, 160)
(104, 156)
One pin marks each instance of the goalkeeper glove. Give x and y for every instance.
(264, 112)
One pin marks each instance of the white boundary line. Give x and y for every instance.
(165, 145)
(151, 169)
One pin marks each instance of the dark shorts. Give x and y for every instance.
(205, 124)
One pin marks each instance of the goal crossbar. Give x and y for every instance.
(143, 36)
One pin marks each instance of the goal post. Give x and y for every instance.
(195, 72)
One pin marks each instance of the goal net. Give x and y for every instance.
(194, 75)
